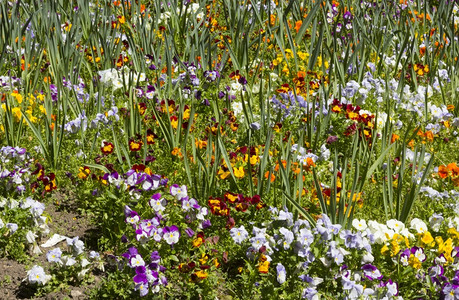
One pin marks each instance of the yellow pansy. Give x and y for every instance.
(239, 172)
(18, 96)
(427, 238)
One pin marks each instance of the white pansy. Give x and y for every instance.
(367, 258)
(237, 108)
(360, 225)
(396, 225)
(37, 275)
(418, 225)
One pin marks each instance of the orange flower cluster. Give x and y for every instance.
(302, 84)
(222, 206)
(449, 171)
(428, 135)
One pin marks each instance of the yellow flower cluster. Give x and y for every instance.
(20, 105)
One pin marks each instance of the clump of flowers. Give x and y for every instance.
(151, 235)
(230, 204)
(358, 258)
(21, 223)
(73, 264)
(43, 180)
(14, 170)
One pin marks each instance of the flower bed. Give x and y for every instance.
(230, 149)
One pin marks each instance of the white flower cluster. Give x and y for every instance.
(116, 78)
(381, 233)
(38, 225)
(192, 8)
(74, 255)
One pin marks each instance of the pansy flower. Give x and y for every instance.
(155, 257)
(258, 241)
(83, 172)
(185, 268)
(450, 291)
(202, 212)
(371, 272)
(136, 261)
(287, 237)
(157, 202)
(132, 177)
(142, 287)
(441, 259)
(337, 254)
(392, 288)
(149, 94)
(139, 168)
(149, 224)
(352, 240)
(49, 182)
(171, 234)
(263, 267)
(310, 293)
(148, 183)
(37, 275)
(404, 257)
(142, 108)
(141, 236)
(199, 240)
(113, 178)
(199, 275)
(133, 218)
(179, 192)
(131, 252)
(54, 255)
(418, 253)
(305, 237)
(194, 204)
(157, 234)
(231, 197)
(107, 148)
(239, 234)
(134, 145)
(360, 225)
(354, 289)
(141, 275)
(151, 137)
(205, 224)
(436, 270)
(281, 273)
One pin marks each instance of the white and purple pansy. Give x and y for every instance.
(171, 234)
(157, 203)
(371, 272)
(179, 192)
